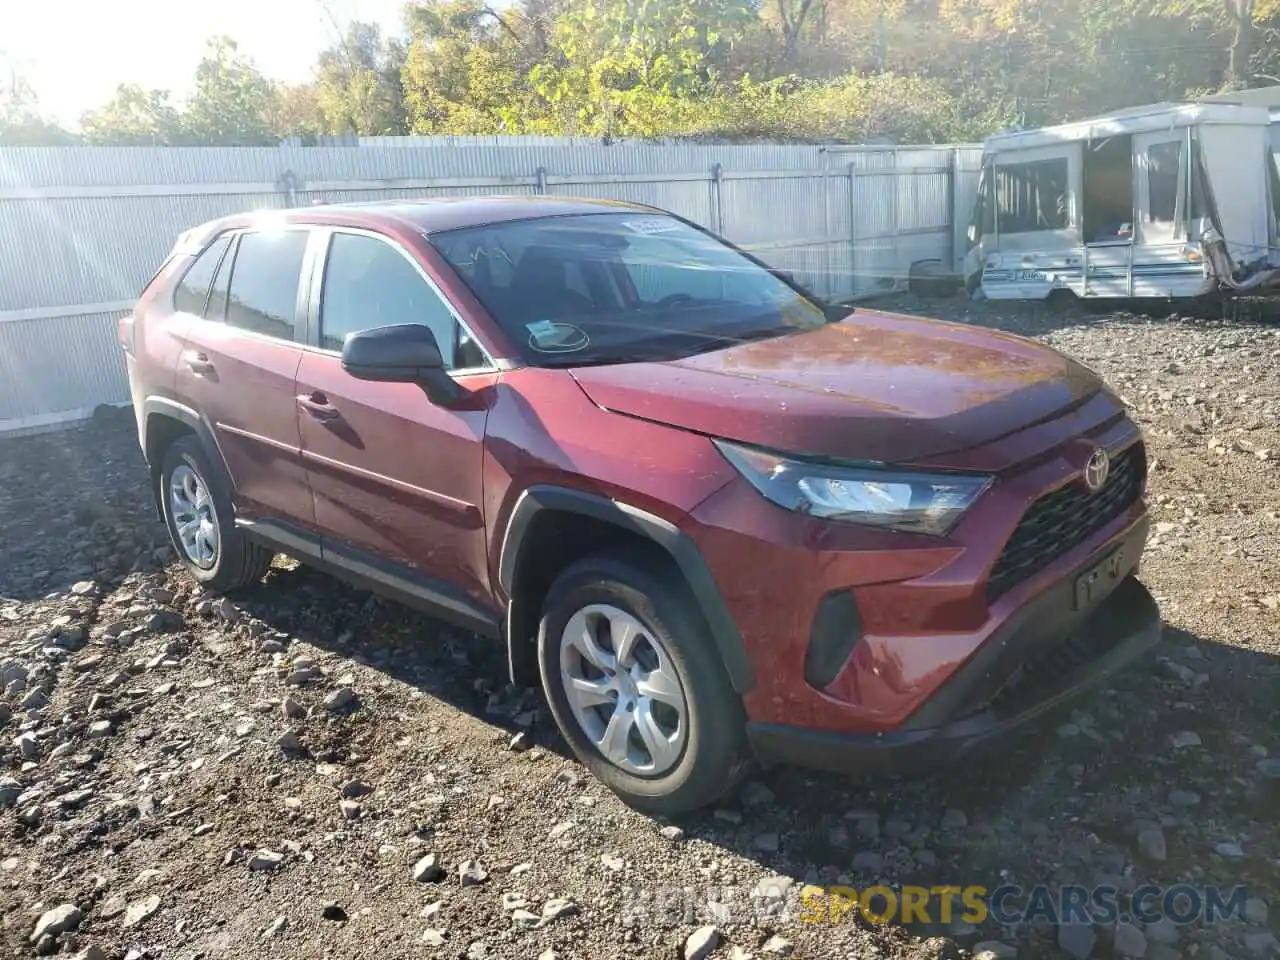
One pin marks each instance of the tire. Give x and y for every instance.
(235, 561)
(712, 754)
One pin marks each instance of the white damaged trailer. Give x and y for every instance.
(1166, 201)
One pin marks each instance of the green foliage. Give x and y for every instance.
(134, 116)
(358, 84)
(232, 99)
(812, 70)
(233, 104)
(465, 68)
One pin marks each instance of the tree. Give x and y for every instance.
(297, 111)
(621, 64)
(812, 70)
(134, 116)
(232, 99)
(1240, 16)
(464, 72)
(359, 83)
(793, 18)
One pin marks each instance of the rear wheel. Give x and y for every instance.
(201, 522)
(636, 686)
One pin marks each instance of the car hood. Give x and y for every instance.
(876, 386)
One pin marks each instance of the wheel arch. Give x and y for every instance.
(164, 421)
(537, 521)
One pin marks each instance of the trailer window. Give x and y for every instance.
(1032, 196)
(1164, 165)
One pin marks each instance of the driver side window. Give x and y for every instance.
(370, 282)
(658, 269)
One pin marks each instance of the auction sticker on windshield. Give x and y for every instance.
(652, 225)
(552, 336)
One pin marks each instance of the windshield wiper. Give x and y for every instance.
(597, 359)
(733, 339)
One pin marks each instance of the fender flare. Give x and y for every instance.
(674, 542)
(165, 408)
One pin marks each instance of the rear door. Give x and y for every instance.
(396, 479)
(238, 369)
(154, 347)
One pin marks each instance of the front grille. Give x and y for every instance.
(1064, 519)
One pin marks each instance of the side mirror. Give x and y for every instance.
(403, 353)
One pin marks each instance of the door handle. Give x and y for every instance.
(198, 362)
(317, 404)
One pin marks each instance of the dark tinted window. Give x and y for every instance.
(264, 282)
(193, 291)
(370, 283)
(1032, 196)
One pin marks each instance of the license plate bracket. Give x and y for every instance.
(1098, 579)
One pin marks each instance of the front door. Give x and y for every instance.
(396, 479)
(238, 369)
(1160, 160)
(1160, 265)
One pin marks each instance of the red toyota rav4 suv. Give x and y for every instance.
(718, 519)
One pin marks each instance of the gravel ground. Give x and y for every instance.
(310, 771)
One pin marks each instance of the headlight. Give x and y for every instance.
(915, 502)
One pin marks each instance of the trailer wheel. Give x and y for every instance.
(1062, 300)
(930, 279)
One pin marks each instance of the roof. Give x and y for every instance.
(1156, 116)
(427, 215)
(438, 214)
(1258, 97)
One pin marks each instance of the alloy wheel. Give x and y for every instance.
(623, 690)
(195, 519)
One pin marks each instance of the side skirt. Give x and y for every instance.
(391, 580)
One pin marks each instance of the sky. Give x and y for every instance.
(74, 53)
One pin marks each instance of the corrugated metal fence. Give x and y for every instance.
(82, 229)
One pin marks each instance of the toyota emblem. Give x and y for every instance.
(1096, 470)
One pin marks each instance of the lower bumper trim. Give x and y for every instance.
(1129, 619)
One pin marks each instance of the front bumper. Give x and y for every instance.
(1014, 677)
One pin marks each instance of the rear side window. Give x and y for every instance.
(193, 291)
(264, 283)
(217, 306)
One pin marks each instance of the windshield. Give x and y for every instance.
(615, 287)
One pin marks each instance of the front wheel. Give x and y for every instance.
(636, 686)
(201, 522)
